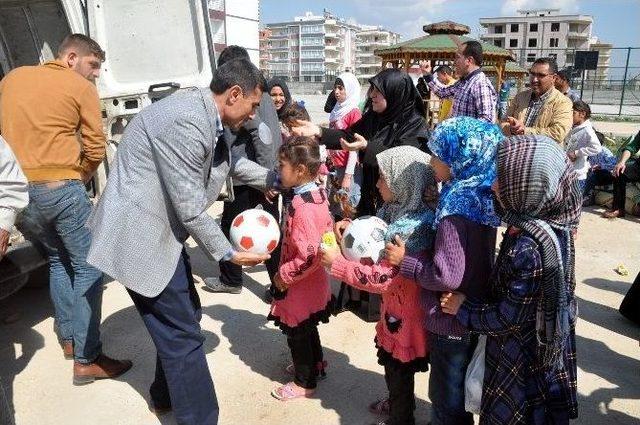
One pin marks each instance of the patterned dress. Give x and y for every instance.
(517, 388)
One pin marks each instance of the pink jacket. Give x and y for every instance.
(340, 158)
(400, 330)
(306, 220)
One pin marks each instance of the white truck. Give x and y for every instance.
(153, 48)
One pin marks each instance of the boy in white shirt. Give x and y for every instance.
(582, 141)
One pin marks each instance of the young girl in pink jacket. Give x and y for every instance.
(400, 338)
(304, 297)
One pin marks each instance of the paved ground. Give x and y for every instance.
(247, 356)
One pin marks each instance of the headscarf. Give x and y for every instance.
(407, 172)
(468, 146)
(352, 91)
(279, 82)
(541, 195)
(401, 123)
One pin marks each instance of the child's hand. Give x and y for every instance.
(394, 251)
(431, 196)
(328, 256)
(277, 280)
(271, 194)
(346, 182)
(339, 229)
(572, 156)
(450, 302)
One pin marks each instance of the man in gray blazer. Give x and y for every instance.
(170, 167)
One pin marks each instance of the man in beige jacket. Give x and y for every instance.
(542, 109)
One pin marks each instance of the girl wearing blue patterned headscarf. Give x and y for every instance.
(468, 147)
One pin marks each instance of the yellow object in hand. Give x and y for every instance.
(329, 240)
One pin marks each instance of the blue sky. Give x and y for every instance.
(615, 21)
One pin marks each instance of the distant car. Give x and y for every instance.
(153, 49)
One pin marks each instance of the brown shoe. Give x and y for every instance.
(102, 368)
(67, 350)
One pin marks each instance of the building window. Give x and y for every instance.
(533, 27)
(515, 27)
(307, 78)
(533, 42)
(498, 43)
(513, 42)
(555, 26)
(553, 42)
(499, 29)
(531, 57)
(553, 56)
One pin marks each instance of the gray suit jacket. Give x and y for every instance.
(169, 168)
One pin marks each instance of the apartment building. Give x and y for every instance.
(236, 22)
(368, 39)
(540, 32)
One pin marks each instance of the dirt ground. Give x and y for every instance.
(247, 355)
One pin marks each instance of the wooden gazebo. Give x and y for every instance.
(439, 46)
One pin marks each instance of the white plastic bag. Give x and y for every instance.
(474, 379)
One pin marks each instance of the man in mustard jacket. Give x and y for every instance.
(50, 116)
(542, 109)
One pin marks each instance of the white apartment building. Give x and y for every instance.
(235, 22)
(310, 47)
(540, 32)
(368, 39)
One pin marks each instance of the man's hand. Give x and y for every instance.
(305, 128)
(85, 176)
(619, 169)
(450, 302)
(425, 66)
(4, 242)
(329, 255)
(359, 143)
(515, 126)
(248, 258)
(339, 229)
(394, 252)
(271, 194)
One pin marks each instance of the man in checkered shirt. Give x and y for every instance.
(473, 94)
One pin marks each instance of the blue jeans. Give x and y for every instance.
(449, 357)
(55, 219)
(182, 379)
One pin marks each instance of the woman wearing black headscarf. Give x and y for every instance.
(394, 117)
(280, 94)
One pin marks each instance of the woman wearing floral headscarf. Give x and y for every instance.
(463, 159)
(530, 375)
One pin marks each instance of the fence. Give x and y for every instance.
(612, 89)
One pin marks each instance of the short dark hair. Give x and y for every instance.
(553, 65)
(565, 74)
(232, 52)
(444, 69)
(300, 150)
(85, 46)
(473, 49)
(293, 113)
(582, 106)
(240, 72)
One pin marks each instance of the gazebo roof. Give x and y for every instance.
(446, 27)
(511, 68)
(440, 46)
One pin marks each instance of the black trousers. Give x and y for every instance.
(631, 174)
(306, 352)
(246, 198)
(402, 401)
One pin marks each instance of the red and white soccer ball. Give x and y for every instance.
(255, 231)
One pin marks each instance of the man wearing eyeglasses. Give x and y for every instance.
(541, 109)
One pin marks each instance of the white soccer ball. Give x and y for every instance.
(254, 231)
(364, 239)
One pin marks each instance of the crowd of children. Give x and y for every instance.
(439, 283)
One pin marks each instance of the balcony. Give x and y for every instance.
(578, 34)
(333, 47)
(279, 47)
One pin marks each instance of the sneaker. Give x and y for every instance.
(214, 284)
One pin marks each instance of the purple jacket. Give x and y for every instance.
(463, 256)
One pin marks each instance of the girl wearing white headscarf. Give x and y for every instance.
(345, 192)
